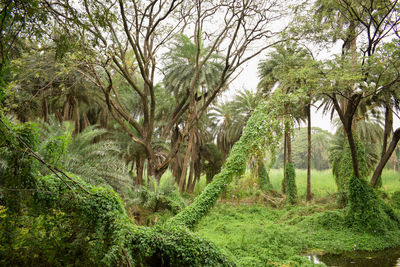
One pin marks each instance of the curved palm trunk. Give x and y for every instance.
(308, 197)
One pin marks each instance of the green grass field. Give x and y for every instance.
(323, 183)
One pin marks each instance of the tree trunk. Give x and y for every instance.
(192, 167)
(385, 158)
(197, 174)
(353, 149)
(139, 170)
(284, 162)
(308, 197)
(388, 127)
(182, 181)
(289, 147)
(45, 109)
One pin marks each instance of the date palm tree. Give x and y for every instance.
(179, 70)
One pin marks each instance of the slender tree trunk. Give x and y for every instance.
(284, 162)
(385, 158)
(289, 148)
(192, 166)
(388, 128)
(197, 174)
(182, 181)
(353, 149)
(45, 109)
(139, 170)
(308, 197)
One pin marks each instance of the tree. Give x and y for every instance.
(109, 31)
(230, 117)
(280, 70)
(353, 84)
(179, 72)
(42, 87)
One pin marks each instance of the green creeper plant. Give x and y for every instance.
(71, 226)
(263, 129)
(291, 188)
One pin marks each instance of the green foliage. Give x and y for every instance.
(152, 199)
(211, 160)
(367, 212)
(91, 156)
(262, 130)
(257, 235)
(263, 176)
(341, 161)
(174, 246)
(291, 188)
(50, 220)
(395, 199)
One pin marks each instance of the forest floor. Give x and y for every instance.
(255, 234)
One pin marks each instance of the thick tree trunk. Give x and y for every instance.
(385, 158)
(308, 197)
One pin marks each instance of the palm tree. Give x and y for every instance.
(231, 117)
(273, 73)
(44, 87)
(91, 154)
(179, 71)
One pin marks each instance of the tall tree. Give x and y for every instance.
(108, 31)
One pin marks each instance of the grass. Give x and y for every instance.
(257, 235)
(323, 183)
(254, 234)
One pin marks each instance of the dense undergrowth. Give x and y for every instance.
(77, 223)
(258, 235)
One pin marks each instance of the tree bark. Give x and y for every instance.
(289, 147)
(182, 181)
(308, 197)
(139, 170)
(192, 166)
(388, 127)
(385, 158)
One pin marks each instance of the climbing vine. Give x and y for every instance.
(263, 130)
(54, 221)
(291, 189)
